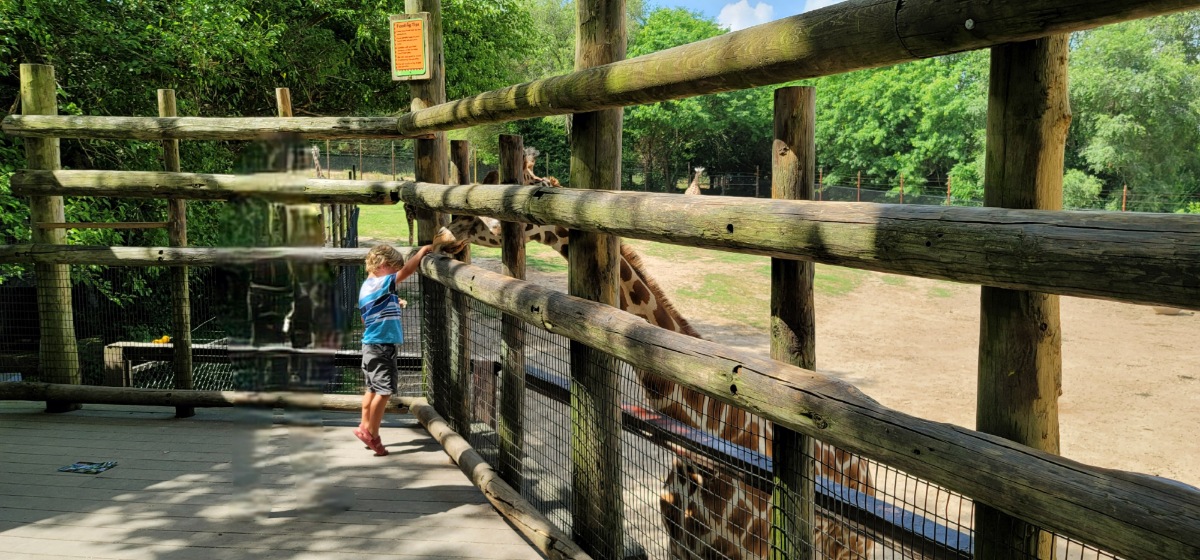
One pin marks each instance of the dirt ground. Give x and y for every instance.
(1131, 377)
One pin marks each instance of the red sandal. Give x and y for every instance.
(363, 435)
(378, 448)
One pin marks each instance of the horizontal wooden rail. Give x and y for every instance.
(841, 38)
(90, 394)
(1132, 257)
(202, 128)
(848, 36)
(276, 187)
(548, 538)
(102, 225)
(175, 256)
(1128, 514)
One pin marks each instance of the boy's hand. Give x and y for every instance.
(403, 302)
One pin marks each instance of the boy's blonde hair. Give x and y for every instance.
(383, 255)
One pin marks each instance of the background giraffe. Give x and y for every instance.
(709, 511)
(694, 186)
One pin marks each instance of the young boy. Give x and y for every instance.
(382, 335)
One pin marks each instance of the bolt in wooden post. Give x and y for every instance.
(511, 428)
(597, 504)
(460, 326)
(432, 165)
(58, 354)
(1020, 358)
(181, 307)
(793, 157)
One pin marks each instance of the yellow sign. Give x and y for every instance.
(410, 46)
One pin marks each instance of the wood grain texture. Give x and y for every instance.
(175, 256)
(1125, 513)
(26, 391)
(276, 187)
(181, 308)
(1020, 338)
(553, 542)
(57, 347)
(459, 323)
(592, 272)
(1131, 257)
(848, 36)
(201, 128)
(189, 503)
(793, 322)
(432, 165)
(511, 427)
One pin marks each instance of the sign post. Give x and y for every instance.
(410, 46)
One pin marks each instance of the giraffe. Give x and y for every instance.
(694, 186)
(709, 512)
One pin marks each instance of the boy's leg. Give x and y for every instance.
(378, 406)
(366, 404)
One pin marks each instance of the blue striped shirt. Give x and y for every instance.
(380, 311)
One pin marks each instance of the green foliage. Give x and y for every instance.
(920, 120)
(723, 132)
(1081, 191)
(1190, 208)
(1135, 92)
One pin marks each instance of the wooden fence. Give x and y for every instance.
(1134, 258)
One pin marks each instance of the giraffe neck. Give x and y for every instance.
(640, 293)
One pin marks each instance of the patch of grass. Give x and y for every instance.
(727, 295)
(837, 281)
(545, 263)
(385, 223)
(940, 292)
(893, 280)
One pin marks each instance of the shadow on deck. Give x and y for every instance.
(232, 483)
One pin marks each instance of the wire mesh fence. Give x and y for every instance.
(253, 328)
(697, 476)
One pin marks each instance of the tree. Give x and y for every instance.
(728, 131)
(1135, 92)
(920, 120)
(223, 59)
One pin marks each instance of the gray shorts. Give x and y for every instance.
(379, 367)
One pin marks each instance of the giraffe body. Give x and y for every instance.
(694, 186)
(709, 511)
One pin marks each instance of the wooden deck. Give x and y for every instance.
(235, 484)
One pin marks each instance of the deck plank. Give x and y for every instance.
(232, 483)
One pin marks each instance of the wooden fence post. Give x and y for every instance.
(432, 165)
(597, 504)
(58, 353)
(458, 322)
(181, 307)
(793, 157)
(511, 428)
(1020, 357)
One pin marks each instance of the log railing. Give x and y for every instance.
(849, 36)
(1129, 514)
(202, 128)
(1131, 257)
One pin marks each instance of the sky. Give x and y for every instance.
(741, 14)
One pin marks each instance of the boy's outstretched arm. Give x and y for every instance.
(410, 266)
